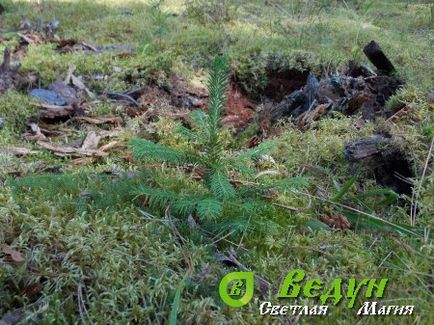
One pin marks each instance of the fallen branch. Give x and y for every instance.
(65, 151)
(376, 55)
(17, 151)
(123, 96)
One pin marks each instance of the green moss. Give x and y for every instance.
(14, 108)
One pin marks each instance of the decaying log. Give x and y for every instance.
(10, 77)
(376, 55)
(365, 148)
(359, 90)
(291, 106)
(385, 161)
(59, 113)
(5, 66)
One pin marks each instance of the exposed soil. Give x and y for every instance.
(240, 110)
(283, 82)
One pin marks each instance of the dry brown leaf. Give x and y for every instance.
(33, 290)
(336, 221)
(13, 254)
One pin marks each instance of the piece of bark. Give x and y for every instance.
(377, 57)
(304, 118)
(291, 106)
(54, 112)
(365, 148)
(5, 66)
(384, 161)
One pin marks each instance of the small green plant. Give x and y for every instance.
(217, 197)
(432, 14)
(214, 12)
(160, 22)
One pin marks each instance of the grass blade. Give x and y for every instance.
(173, 319)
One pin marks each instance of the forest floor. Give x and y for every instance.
(78, 245)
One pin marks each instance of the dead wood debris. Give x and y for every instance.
(376, 55)
(10, 77)
(72, 91)
(16, 151)
(230, 259)
(72, 45)
(41, 131)
(401, 113)
(384, 160)
(56, 113)
(69, 151)
(336, 221)
(88, 147)
(359, 90)
(97, 120)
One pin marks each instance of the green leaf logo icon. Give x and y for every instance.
(236, 288)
